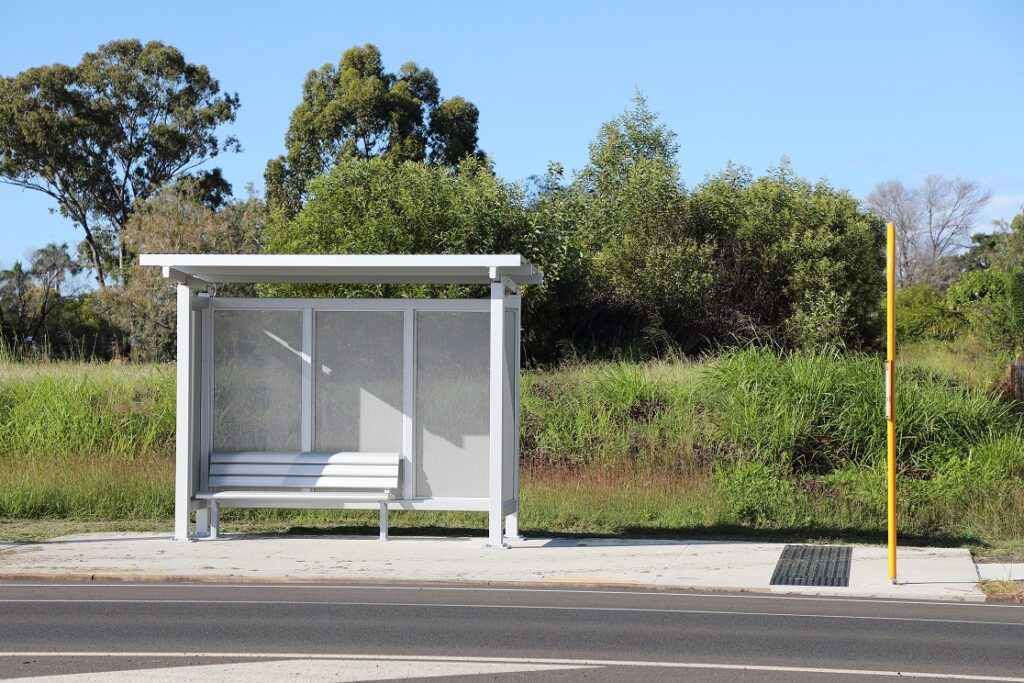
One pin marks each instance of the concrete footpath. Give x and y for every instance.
(924, 573)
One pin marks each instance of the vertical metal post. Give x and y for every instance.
(306, 433)
(496, 433)
(408, 472)
(183, 416)
(512, 520)
(205, 518)
(890, 389)
(199, 458)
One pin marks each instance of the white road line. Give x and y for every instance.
(533, 661)
(560, 608)
(306, 669)
(497, 589)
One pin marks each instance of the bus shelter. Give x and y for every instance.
(435, 381)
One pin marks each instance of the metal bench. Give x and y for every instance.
(300, 480)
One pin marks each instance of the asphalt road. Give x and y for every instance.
(336, 633)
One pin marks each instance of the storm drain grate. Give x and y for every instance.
(813, 565)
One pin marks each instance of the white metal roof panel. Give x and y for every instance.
(346, 268)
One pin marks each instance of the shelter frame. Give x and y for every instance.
(196, 332)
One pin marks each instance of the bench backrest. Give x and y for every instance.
(347, 471)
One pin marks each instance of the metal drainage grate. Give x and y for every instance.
(813, 565)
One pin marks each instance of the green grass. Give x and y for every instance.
(741, 444)
(54, 412)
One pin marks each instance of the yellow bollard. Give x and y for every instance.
(890, 388)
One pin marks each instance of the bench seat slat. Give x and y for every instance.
(293, 495)
(249, 469)
(242, 481)
(305, 458)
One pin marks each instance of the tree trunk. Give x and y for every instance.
(94, 254)
(1014, 388)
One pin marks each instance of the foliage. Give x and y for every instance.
(984, 301)
(921, 313)
(774, 257)
(376, 206)
(990, 300)
(358, 110)
(633, 223)
(108, 132)
(41, 312)
(177, 220)
(796, 261)
(680, 448)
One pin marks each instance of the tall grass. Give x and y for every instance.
(812, 412)
(61, 411)
(747, 439)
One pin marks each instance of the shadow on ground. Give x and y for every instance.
(808, 534)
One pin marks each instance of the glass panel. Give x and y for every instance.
(452, 362)
(508, 418)
(358, 376)
(257, 380)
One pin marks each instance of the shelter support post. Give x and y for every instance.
(185, 432)
(515, 303)
(495, 513)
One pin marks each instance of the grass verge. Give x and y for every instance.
(746, 444)
(1003, 591)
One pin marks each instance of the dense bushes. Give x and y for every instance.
(797, 261)
(635, 264)
(985, 301)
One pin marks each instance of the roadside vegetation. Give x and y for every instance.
(743, 442)
(704, 359)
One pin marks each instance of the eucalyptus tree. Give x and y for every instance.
(358, 110)
(110, 131)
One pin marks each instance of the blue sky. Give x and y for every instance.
(857, 92)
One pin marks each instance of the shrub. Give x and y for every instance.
(921, 313)
(377, 206)
(761, 496)
(983, 298)
(795, 260)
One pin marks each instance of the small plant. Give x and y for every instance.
(760, 496)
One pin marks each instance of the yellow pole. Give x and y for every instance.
(890, 388)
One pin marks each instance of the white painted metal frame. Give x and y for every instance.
(192, 269)
(195, 335)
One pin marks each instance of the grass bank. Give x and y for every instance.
(742, 444)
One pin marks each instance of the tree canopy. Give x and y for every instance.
(358, 110)
(110, 131)
(633, 262)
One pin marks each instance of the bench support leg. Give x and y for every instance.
(203, 522)
(214, 520)
(383, 521)
(512, 527)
